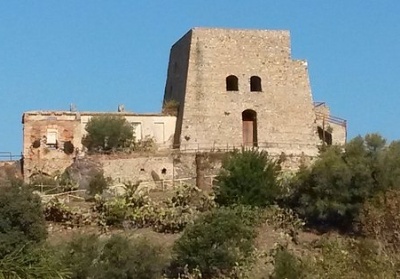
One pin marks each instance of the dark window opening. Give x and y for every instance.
(164, 171)
(36, 143)
(249, 126)
(69, 147)
(255, 84)
(232, 83)
(325, 136)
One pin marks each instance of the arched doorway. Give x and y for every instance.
(249, 127)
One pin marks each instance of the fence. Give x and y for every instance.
(331, 119)
(8, 156)
(279, 147)
(178, 182)
(161, 185)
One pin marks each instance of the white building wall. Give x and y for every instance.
(160, 128)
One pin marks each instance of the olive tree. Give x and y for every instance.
(108, 132)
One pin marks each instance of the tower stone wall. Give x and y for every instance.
(211, 116)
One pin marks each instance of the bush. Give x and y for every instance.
(380, 219)
(215, 243)
(286, 265)
(80, 255)
(108, 132)
(170, 107)
(40, 262)
(122, 258)
(332, 191)
(248, 177)
(349, 258)
(21, 218)
(117, 257)
(98, 184)
(139, 211)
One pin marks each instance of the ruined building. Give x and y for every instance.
(231, 87)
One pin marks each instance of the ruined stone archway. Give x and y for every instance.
(249, 127)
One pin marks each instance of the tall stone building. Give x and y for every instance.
(231, 88)
(241, 87)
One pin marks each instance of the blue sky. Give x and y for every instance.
(98, 54)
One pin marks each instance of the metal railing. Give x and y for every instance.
(331, 119)
(226, 147)
(328, 118)
(318, 104)
(8, 156)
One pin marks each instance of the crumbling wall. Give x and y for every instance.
(50, 139)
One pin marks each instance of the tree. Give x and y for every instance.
(388, 167)
(215, 243)
(21, 218)
(22, 233)
(248, 177)
(332, 191)
(107, 132)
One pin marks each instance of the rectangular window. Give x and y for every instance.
(137, 130)
(158, 132)
(51, 137)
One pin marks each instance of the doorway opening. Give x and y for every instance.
(249, 128)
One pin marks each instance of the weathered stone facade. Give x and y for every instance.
(233, 88)
(241, 87)
(47, 132)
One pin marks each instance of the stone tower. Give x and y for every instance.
(240, 88)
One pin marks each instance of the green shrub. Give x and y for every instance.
(124, 258)
(21, 218)
(97, 184)
(108, 132)
(215, 243)
(39, 262)
(248, 177)
(80, 254)
(118, 257)
(286, 265)
(139, 211)
(380, 219)
(332, 191)
(350, 258)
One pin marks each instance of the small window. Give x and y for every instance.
(255, 84)
(232, 83)
(51, 137)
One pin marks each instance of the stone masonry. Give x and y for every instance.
(47, 132)
(231, 87)
(279, 108)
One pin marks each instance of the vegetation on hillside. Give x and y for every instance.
(247, 227)
(249, 177)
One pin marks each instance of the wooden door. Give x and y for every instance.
(248, 133)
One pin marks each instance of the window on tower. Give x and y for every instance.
(232, 83)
